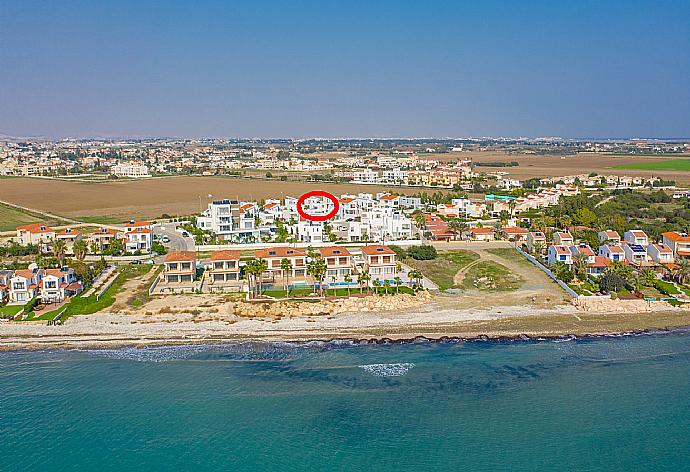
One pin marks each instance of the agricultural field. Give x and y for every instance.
(533, 165)
(677, 165)
(119, 201)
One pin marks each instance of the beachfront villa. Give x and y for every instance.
(179, 268)
(225, 268)
(24, 285)
(338, 261)
(274, 256)
(380, 262)
(58, 284)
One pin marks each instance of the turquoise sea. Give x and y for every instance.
(615, 403)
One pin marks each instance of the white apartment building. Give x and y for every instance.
(133, 171)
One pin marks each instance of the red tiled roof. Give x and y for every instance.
(515, 230)
(138, 224)
(676, 237)
(600, 261)
(377, 250)
(36, 228)
(334, 251)
(69, 232)
(181, 256)
(225, 255)
(281, 252)
(481, 230)
(139, 230)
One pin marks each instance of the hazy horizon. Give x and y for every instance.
(301, 70)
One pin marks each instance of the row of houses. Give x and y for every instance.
(634, 248)
(49, 285)
(225, 267)
(137, 236)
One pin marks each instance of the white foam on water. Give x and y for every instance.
(387, 370)
(150, 354)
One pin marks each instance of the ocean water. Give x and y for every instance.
(618, 403)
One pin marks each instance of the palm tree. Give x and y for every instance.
(95, 248)
(511, 205)
(347, 278)
(648, 277)
(317, 268)
(580, 266)
(362, 278)
(80, 249)
(386, 285)
(59, 249)
(286, 267)
(457, 227)
(417, 276)
(682, 272)
(255, 268)
(398, 282)
(376, 283)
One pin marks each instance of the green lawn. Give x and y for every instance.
(491, 276)
(681, 165)
(9, 310)
(442, 270)
(11, 217)
(666, 287)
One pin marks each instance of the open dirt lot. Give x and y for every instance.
(150, 198)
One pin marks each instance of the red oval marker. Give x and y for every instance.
(318, 193)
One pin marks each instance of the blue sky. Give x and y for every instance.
(345, 69)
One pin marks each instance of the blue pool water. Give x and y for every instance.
(599, 404)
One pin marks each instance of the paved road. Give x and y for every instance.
(177, 241)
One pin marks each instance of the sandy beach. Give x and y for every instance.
(432, 318)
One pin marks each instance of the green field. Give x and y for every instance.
(442, 270)
(680, 165)
(11, 217)
(492, 277)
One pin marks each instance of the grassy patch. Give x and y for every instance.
(11, 217)
(680, 165)
(100, 220)
(666, 288)
(510, 254)
(6, 311)
(442, 270)
(491, 276)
